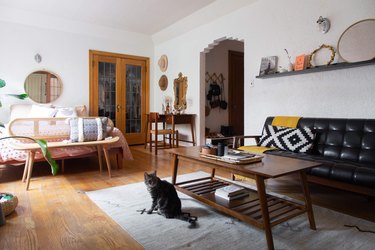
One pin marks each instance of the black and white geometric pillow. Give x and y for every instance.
(298, 140)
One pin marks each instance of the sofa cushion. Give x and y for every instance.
(340, 170)
(291, 139)
(341, 138)
(344, 139)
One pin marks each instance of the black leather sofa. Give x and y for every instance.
(346, 149)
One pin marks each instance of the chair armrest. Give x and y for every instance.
(236, 139)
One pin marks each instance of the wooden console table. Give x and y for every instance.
(172, 120)
(258, 208)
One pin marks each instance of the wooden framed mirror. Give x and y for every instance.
(43, 86)
(180, 85)
(357, 42)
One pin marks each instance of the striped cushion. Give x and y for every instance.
(88, 129)
(298, 140)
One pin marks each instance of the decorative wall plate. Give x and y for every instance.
(163, 63)
(163, 82)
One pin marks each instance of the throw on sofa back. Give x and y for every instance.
(345, 139)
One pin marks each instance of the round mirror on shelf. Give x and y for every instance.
(357, 42)
(43, 86)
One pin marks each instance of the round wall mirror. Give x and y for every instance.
(43, 86)
(357, 43)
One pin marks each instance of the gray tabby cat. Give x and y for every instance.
(165, 199)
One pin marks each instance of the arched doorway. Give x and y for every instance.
(222, 63)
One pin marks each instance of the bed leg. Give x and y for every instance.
(106, 156)
(62, 166)
(99, 149)
(31, 156)
(119, 160)
(26, 168)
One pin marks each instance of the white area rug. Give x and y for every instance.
(217, 231)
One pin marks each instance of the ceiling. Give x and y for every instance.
(142, 16)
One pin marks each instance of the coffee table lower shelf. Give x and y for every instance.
(247, 209)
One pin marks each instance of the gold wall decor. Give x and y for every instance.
(180, 85)
(323, 46)
(163, 82)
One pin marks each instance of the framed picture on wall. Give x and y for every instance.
(268, 65)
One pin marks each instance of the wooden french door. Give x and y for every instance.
(119, 89)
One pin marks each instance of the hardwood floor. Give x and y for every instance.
(56, 214)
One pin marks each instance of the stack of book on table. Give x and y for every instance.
(231, 192)
(233, 157)
(241, 157)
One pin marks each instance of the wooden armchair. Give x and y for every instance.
(153, 131)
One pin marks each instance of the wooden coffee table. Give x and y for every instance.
(258, 209)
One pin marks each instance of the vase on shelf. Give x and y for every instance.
(167, 109)
(290, 66)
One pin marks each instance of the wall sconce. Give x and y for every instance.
(38, 58)
(323, 24)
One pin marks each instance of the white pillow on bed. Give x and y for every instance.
(65, 112)
(37, 111)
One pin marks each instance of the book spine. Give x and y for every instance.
(224, 193)
(232, 197)
(300, 62)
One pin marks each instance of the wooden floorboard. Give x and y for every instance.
(56, 214)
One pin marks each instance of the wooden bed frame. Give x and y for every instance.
(35, 131)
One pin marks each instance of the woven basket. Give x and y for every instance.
(9, 205)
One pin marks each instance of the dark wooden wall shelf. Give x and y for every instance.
(321, 69)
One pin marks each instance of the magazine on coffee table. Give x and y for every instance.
(235, 157)
(238, 155)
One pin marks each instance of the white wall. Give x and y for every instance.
(217, 62)
(267, 27)
(64, 47)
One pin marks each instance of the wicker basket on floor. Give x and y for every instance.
(9, 205)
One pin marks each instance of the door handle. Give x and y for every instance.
(118, 107)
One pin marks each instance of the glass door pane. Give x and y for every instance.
(133, 98)
(107, 90)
